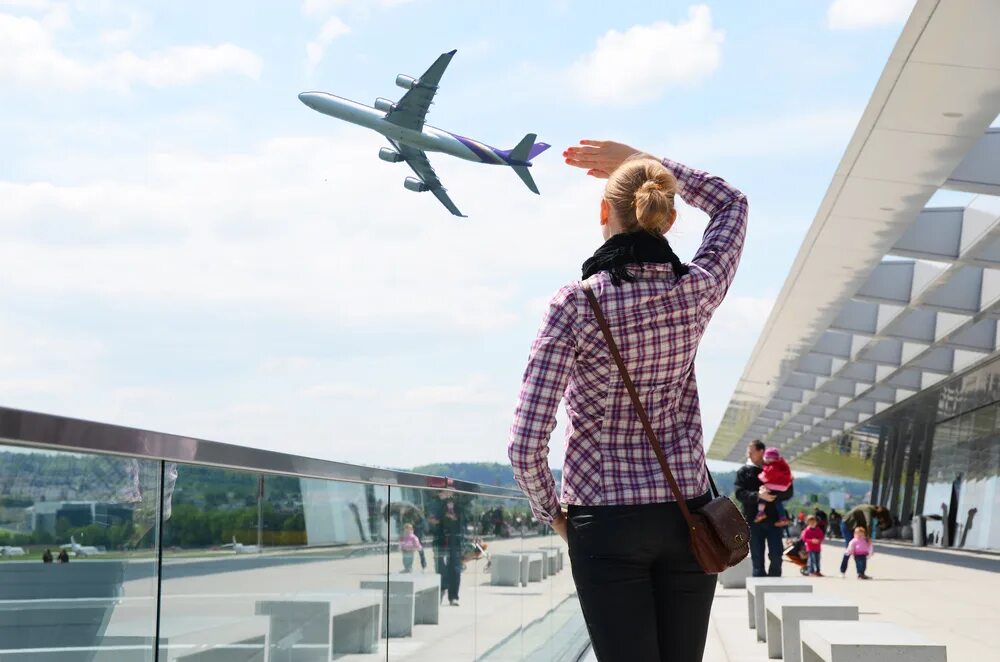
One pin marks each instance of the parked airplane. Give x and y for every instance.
(11, 551)
(80, 550)
(402, 123)
(240, 548)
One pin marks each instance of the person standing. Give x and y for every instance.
(47, 556)
(448, 540)
(860, 547)
(750, 493)
(409, 544)
(643, 594)
(813, 538)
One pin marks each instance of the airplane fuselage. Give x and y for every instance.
(430, 139)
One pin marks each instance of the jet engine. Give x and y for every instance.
(405, 82)
(414, 184)
(385, 105)
(390, 155)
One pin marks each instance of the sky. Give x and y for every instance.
(185, 247)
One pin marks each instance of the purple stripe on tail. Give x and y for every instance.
(537, 149)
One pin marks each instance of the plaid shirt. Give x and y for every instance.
(657, 322)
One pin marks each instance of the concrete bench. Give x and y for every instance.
(551, 560)
(758, 587)
(736, 577)
(505, 569)
(308, 628)
(783, 612)
(411, 600)
(200, 638)
(558, 553)
(846, 641)
(536, 566)
(525, 564)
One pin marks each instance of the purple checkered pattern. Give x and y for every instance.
(657, 322)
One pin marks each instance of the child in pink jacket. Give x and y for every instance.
(860, 548)
(813, 536)
(408, 544)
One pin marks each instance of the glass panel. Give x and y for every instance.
(501, 594)
(77, 562)
(260, 563)
(432, 609)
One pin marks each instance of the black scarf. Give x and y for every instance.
(628, 248)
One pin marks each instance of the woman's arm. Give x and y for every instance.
(545, 378)
(722, 243)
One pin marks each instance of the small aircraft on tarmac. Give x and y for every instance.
(402, 123)
(80, 550)
(8, 550)
(240, 548)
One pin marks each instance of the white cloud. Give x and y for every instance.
(325, 7)
(284, 225)
(639, 64)
(338, 391)
(737, 323)
(798, 134)
(859, 14)
(316, 49)
(470, 392)
(29, 54)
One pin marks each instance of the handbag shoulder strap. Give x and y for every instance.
(639, 409)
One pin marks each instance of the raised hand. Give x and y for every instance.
(599, 157)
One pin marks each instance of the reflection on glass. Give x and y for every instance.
(77, 563)
(262, 567)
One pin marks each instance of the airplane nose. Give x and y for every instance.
(309, 99)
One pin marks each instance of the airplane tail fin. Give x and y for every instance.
(526, 150)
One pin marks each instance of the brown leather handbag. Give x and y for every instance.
(720, 537)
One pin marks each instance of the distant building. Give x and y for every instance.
(44, 515)
(881, 356)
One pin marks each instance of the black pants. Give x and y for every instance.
(760, 534)
(449, 565)
(644, 597)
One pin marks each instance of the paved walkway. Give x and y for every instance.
(952, 603)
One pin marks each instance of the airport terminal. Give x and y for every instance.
(880, 361)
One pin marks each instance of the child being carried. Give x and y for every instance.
(775, 477)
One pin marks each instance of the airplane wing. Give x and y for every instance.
(411, 109)
(417, 160)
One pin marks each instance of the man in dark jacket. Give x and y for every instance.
(749, 494)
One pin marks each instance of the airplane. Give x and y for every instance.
(11, 551)
(80, 550)
(402, 123)
(240, 548)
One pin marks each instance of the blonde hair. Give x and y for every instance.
(641, 191)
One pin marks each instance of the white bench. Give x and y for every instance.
(736, 577)
(505, 569)
(784, 611)
(758, 587)
(551, 560)
(317, 627)
(198, 637)
(536, 566)
(411, 600)
(558, 553)
(845, 641)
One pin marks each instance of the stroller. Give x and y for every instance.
(475, 550)
(797, 554)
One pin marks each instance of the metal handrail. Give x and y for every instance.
(25, 428)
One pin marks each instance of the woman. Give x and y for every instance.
(643, 595)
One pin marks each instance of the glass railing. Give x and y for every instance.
(119, 544)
